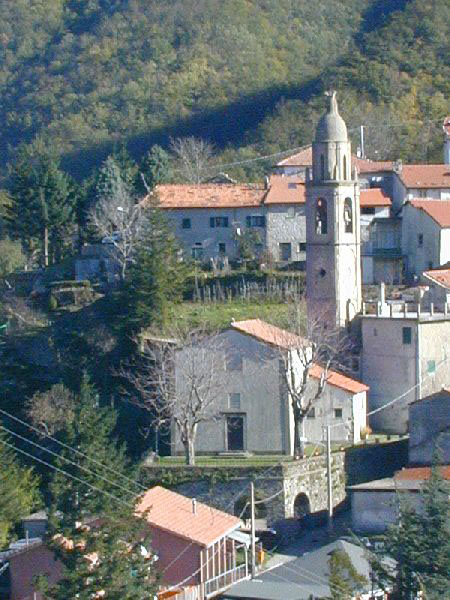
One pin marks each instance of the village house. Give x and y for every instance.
(375, 504)
(196, 544)
(253, 407)
(425, 235)
(420, 181)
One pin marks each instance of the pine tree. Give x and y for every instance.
(156, 277)
(156, 166)
(95, 532)
(42, 203)
(344, 579)
(19, 493)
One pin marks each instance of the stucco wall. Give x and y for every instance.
(426, 253)
(373, 511)
(177, 557)
(429, 427)
(390, 368)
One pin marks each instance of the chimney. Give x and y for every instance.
(398, 166)
(194, 506)
(446, 128)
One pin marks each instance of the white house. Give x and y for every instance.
(425, 235)
(420, 181)
(252, 404)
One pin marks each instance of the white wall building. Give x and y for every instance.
(253, 406)
(425, 235)
(420, 181)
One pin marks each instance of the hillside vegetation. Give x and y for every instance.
(247, 75)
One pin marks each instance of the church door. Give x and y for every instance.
(235, 432)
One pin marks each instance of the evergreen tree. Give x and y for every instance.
(415, 555)
(156, 166)
(156, 277)
(344, 579)
(42, 203)
(19, 493)
(94, 532)
(111, 182)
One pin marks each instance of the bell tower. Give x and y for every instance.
(333, 261)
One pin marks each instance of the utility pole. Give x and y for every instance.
(329, 482)
(361, 137)
(253, 538)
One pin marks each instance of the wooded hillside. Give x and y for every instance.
(246, 75)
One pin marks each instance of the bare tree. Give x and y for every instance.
(179, 380)
(51, 410)
(118, 219)
(194, 157)
(308, 351)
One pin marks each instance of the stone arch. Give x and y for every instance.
(242, 507)
(321, 216)
(302, 505)
(348, 215)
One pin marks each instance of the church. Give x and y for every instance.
(404, 346)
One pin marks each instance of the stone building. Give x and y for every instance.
(405, 356)
(252, 407)
(333, 234)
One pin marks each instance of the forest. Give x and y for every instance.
(247, 76)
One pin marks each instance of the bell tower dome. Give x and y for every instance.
(333, 262)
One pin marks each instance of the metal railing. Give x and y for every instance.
(221, 582)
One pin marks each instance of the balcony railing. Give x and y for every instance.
(221, 582)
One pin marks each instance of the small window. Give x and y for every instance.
(234, 401)
(218, 221)
(222, 248)
(406, 335)
(197, 251)
(233, 361)
(186, 224)
(338, 413)
(348, 215)
(420, 240)
(321, 216)
(431, 367)
(312, 413)
(423, 193)
(291, 212)
(302, 247)
(255, 221)
(368, 210)
(285, 252)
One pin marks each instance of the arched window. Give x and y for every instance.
(321, 216)
(322, 167)
(344, 167)
(348, 215)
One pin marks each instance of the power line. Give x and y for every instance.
(65, 473)
(97, 475)
(25, 424)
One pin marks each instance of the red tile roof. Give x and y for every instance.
(438, 210)
(339, 380)
(374, 197)
(174, 513)
(300, 159)
(285, 190)
(284, 339)
(425, 176)
(268, 333)
(209, 195)
(420, 473)
(364, 165)
(440, 275)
